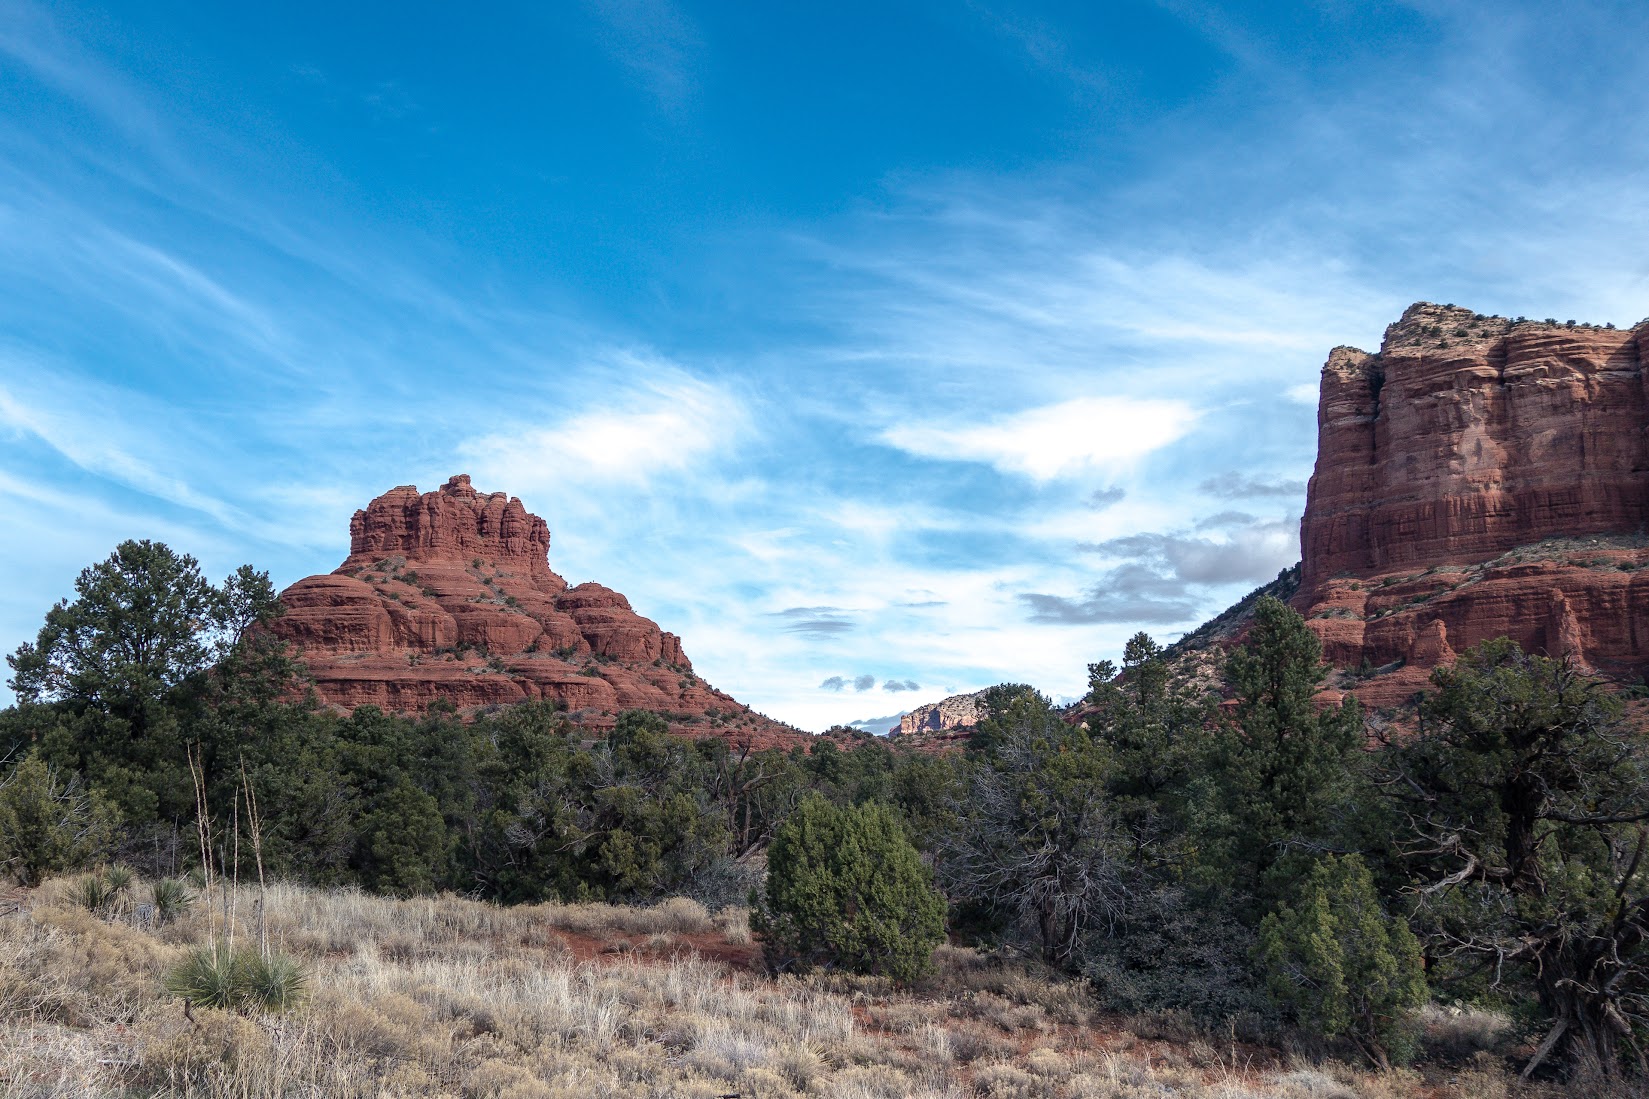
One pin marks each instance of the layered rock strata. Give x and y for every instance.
(1479, 477)
(449, 595)
(956, 713)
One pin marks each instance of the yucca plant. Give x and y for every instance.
(119, 879)
(172, 899)
(238, 980)
(273, 982)
(91, 892)
(206, 978)
(105, 892)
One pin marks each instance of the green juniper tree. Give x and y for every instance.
(1521, 814)
(48, 822)
(404, 845)
(1344, 965)
(845, 889)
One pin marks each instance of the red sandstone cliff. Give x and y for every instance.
(1476, 478)
(449, 594)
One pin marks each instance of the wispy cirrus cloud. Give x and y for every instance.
(656, 41)
(93, 441)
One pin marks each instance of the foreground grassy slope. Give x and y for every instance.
(447, 996)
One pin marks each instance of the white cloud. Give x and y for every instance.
(1055, 440)
(637, 433)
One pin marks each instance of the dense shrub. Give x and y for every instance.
(48, 823)
(1181, 954)
(845, 889)
(1346, 967)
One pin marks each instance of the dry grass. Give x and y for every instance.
(450, 997)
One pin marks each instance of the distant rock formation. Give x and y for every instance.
(958, 712)
(1479, 477)
(449, 594)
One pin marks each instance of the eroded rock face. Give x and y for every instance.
(958, 712)
(1478, 478)
(449, 594)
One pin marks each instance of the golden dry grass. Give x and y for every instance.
(450, 997)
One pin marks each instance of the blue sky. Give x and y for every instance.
(881, 351)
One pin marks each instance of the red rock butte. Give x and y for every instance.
(1479, 477)
(449, 594)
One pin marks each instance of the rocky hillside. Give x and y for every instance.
(1478, 477)
(449, 594)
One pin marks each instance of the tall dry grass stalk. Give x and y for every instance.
(446, 996)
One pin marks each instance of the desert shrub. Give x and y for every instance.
(1036, 843)
(845, 889)
(678, 915)
(1345, 967)
(734, 924)
(221, 1055)
(48, 823)
(1459, 1032)
(726, 882)
(1182, 954)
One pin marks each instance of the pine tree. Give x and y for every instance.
(1283, 766)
